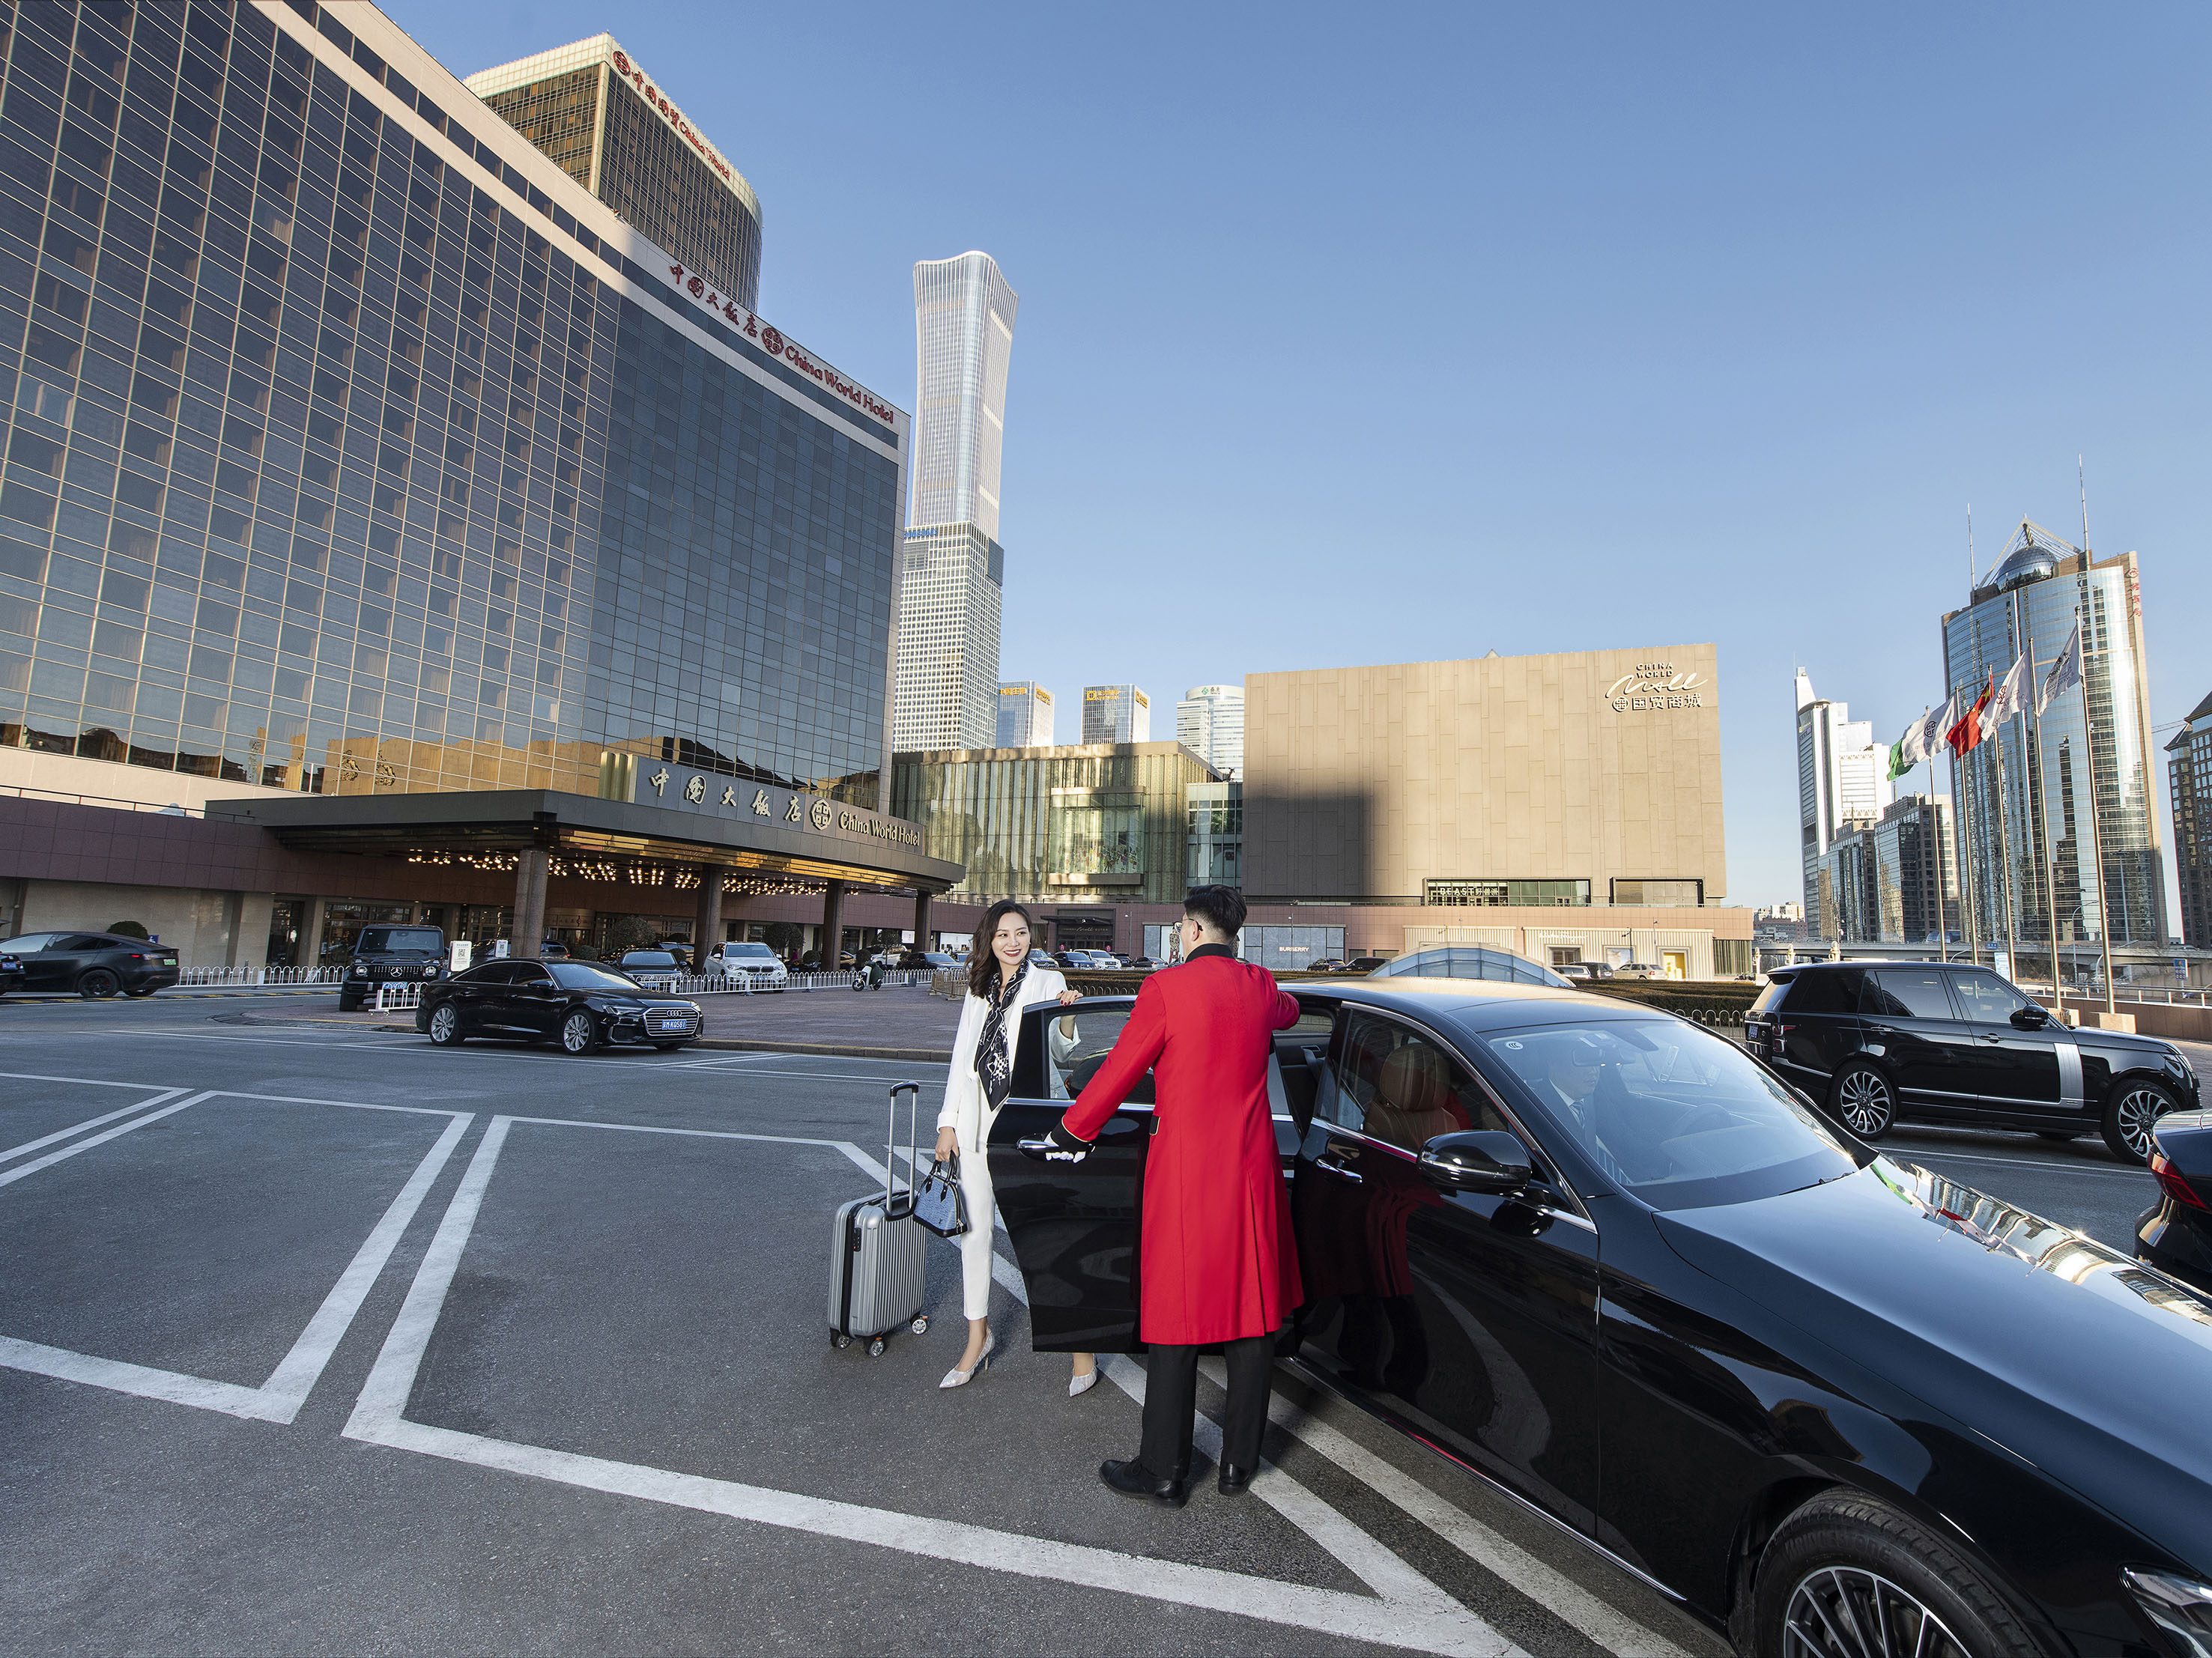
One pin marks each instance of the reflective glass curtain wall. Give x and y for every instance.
(2048, 792)
(327, 471)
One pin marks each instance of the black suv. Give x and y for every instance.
(1951, 1042)
(391, 954)
(95, 965)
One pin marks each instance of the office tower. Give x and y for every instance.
(1024, 715)
(1116, 713)
(1209, 722)
(609, 126)
(2040, 820)
(357, 535)
(1892, 880)
(954, 570)
(2189, 775)
(1843, 777)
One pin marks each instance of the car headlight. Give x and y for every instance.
(2180, 1606)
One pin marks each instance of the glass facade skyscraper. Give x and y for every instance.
(1026, 715)
(1116, 713)
(594, 112)
(2189, 773)
(2030, 842)
(354, 449)
(1843, 779)
(954, 573)
(1209, 722)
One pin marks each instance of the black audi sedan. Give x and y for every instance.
(582, 1005)
(1833, 1403)
(94, 965)
(1937, 1041)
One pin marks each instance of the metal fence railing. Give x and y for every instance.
(261, 976)
(392, 996)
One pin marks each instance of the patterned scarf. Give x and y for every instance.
(994, 1062)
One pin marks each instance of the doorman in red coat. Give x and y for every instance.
(1219, 1263)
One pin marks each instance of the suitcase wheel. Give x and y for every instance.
(920, 1325)
(876, 1348)
(839, 1340)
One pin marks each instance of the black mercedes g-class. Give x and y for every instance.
(388, 955)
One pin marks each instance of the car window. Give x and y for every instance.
(577, 976)
(1674, 1113)
(1399, 1086)
(1060, 1052)
(1901, 993)
(1985, 996)
(29, 945)
(648, 958)
(77, 941)
(1832, 990)
(531, 973)
(1770, 996)
(490, 973)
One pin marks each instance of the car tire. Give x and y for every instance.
(1844, 1551)
(97, 984)
(580, 1034)
(2137, 1102)
(349, 1003)
(1864, 1100)
(446, 1026)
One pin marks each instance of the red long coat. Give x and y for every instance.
(1219, 1261)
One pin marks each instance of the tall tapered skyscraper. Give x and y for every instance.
(951, 569)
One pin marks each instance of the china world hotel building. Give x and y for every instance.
(409, 507)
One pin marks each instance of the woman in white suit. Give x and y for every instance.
(1002, 982)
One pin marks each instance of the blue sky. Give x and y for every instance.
(1384, 335)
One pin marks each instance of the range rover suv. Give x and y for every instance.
(1951, 1043)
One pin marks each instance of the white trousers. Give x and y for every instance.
(976, 1241)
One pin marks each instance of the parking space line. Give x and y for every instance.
(279, 1398)
(1408, 1611)
(28, 1146)
(53, 1157)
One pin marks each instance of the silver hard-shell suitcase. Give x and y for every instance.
(876, 1249)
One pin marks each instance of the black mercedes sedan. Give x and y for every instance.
(1833, 1403)
(1951, 1042)
(582, 1005)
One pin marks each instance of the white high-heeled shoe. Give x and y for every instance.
(1079, 1385)
(959, 1378)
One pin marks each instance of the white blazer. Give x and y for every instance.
(964, 1104)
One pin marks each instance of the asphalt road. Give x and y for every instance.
(314, 1339)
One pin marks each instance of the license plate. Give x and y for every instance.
(672, 1024)
(168, 961)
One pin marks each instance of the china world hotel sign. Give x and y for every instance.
(1657, 688)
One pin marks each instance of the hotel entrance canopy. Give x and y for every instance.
(740, 829)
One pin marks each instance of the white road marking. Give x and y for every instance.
(28, 1146)
(279, 1398)
(53, 1157)
(1408, 1610)
(2054, 1166)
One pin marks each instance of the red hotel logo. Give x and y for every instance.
(773, 341)
(669, 112)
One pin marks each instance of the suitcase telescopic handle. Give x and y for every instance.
(913, 1091)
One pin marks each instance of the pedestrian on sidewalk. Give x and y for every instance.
(1219, 1263)
(1002, 983)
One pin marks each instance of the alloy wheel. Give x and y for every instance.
(98, 985)
(2135, 1112)
(578, 1032)
(442, 1024)
(1847, 1612)
(1863, 1098)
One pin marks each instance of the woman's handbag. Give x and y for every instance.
(939, 1202)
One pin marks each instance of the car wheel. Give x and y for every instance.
(580, 1033)
(98, 985)
(1864, 1100)
(349, 1002)
(1847, 1576)
(2135, 1106)
(444, 1026)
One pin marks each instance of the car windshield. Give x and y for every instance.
(430, 940)
(30, 944)
(580, 975)
(1676, 1115)
(748, 950)
(648, 958)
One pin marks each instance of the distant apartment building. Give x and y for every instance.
(1842, 778)
(2189, 774)
(1892, 880)
(1210, 723)
(595, 113)
(1024, 715)
(952, 572)
(1116, 713)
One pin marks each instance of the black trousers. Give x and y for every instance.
(1171, 1394)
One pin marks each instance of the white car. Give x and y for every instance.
(756, 964)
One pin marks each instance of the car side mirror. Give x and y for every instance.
(1488, 1162)
(2030, 1018)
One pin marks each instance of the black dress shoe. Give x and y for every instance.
(1135, 1479)
(1234, 1481)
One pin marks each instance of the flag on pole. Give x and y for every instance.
(2065, 672)
(1930, 736)
(1967, 732)
(2011, 698)
(1910, 750)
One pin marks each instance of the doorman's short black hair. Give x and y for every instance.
(1221, 908)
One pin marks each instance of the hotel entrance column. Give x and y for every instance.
(527, 936)
(921, 921)
(706, 928)
(833, 925)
